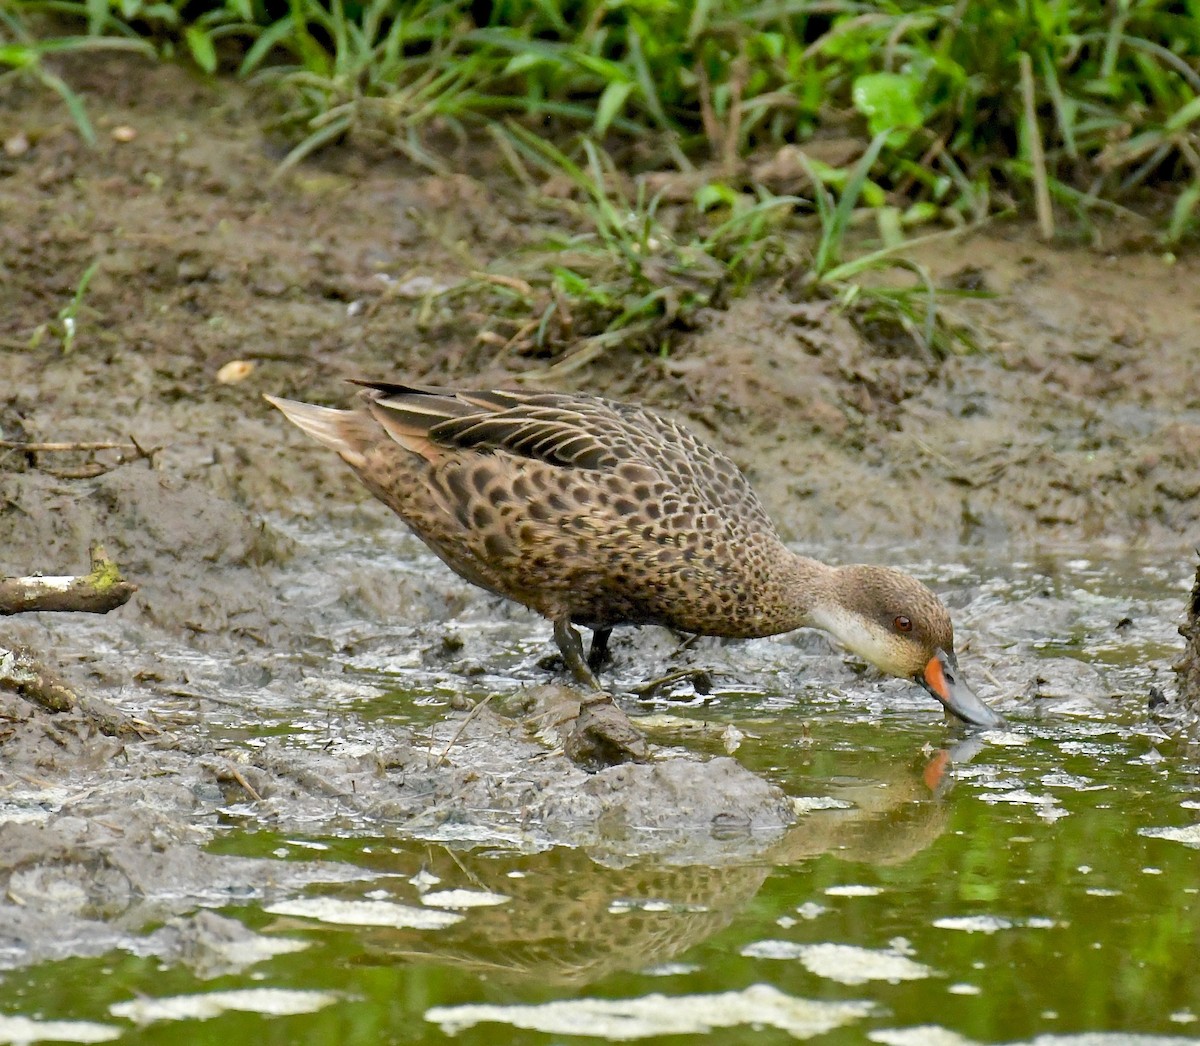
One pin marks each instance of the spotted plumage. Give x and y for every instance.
(599, 513)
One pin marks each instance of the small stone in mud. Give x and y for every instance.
(602, 736)
(969, 278)
(234, 371)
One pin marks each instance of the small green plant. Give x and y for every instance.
(23, 53)
(621, 267)
(66, 321)
(68, 315)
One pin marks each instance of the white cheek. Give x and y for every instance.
(858, 635)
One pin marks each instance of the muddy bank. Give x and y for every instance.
(1078, 418)
(103, 840)
(279, 605)
(104, 844)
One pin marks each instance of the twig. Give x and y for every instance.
(55, 448)
(96, 593)
(708, 115)
(1037, 156)
(130, 451)
(512, 283)
(22, 674)
(247, 787)
(461, 727)
(739, 75)
(700, 678)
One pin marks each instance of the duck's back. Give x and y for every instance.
(576, 504)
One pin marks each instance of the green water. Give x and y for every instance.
(1018, 898)
(1093, 925)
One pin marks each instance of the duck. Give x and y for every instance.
(597, 514)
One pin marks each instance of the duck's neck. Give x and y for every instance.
(832, 599)
(801, 592)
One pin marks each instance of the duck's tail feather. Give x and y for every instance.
(349, 432)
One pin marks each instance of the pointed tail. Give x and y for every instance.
(349, 432)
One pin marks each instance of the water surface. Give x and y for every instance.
(1040, 880)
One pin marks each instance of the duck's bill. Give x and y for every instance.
(940, 677)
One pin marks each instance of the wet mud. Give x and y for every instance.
(279, 606)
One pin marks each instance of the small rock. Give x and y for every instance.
(235, 371)
(603, 736)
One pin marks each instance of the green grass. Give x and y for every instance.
(953, 112)
(622, 266)
(1114, 86)
(24, 53)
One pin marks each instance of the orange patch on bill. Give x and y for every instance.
(936, 678)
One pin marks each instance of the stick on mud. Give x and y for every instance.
(23, 674)
(96, 593)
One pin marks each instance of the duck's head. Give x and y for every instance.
(903, 629)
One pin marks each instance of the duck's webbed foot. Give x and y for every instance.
(571, 647)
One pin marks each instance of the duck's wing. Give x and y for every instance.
(695, 466)
(572, 431)
(554, 428)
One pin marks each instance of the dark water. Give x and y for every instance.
(1039, 881)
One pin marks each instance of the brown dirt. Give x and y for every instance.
(1079, 421)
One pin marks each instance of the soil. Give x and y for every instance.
(261, 561)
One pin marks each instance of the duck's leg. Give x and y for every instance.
(571, 647)
(599, 648)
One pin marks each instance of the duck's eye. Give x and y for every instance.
(902, 624)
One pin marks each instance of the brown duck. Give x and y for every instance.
(599, 513)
